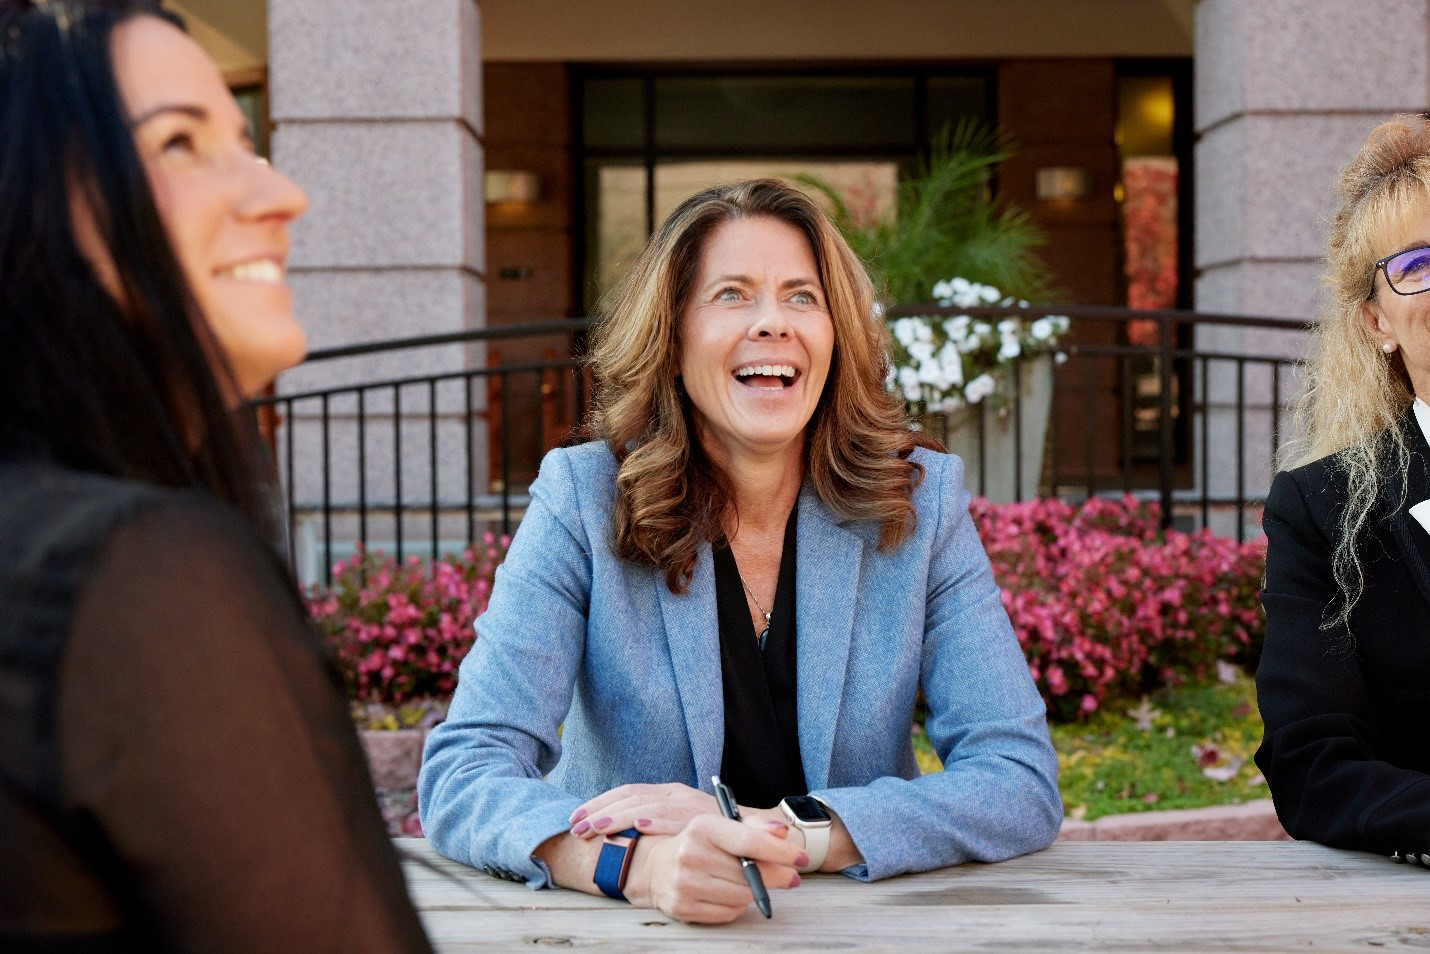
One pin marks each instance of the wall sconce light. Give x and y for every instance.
(1063, 182)
(510, 185)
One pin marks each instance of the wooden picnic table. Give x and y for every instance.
(1075, 896)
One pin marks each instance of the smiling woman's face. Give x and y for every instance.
(755, 338)
(1403, 321)
(226, 212)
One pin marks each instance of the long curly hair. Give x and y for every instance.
(671, 496)
(1355, 393)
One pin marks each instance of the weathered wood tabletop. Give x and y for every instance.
(1075, 896)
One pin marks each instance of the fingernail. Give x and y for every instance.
(577, 815)
(581, 828)
(642, 822)
(601, 822)
(802, 860)
(795, 883)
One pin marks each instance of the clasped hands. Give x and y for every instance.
(687, 861)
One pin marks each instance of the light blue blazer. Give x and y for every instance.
(576, 635)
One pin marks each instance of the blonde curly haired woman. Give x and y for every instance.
(752, 573)
(1345, 677)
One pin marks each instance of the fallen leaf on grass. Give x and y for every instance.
(1144, 714)
(1224, 773)
(1206, 755)
(1209, 760)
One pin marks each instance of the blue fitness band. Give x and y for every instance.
(614, 863)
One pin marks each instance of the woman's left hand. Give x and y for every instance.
(652, 809)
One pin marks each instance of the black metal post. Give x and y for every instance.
(1240, 449)
(327, 497)
(362, 464)
(467, 384)
(397, 468)
(432, 458)
(1018, 430)
(1164, 419)
(502, 382)
(292, 489)
(1088, 411)
(1206, 446)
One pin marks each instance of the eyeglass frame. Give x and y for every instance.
(1380, 267)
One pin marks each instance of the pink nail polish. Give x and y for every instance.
(802, 860)
(581, 828)
(642, 822)
(577, 815)
(601, 822)
(796, 882)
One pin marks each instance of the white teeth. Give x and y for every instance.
(766, 370)
(263, 271)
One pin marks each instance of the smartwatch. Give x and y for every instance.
(809, 815)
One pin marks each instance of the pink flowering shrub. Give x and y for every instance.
(1107, 607)
(399, 631)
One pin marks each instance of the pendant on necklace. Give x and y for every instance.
(765, 633)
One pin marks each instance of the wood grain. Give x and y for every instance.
(1075, 896)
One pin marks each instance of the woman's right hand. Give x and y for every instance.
(696, 876)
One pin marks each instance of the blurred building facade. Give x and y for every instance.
(1176, 153)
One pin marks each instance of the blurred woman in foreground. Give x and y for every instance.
(1343, 680)
(177, 766)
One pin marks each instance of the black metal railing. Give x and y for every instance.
(426, 463)
(1205, 403)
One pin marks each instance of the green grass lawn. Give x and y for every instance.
(1142, 758)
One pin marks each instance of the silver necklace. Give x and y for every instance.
(764, 633)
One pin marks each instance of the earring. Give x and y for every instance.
(1387, 346)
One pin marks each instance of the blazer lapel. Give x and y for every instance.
(692, 631)
(829, 558)
(1414, 539)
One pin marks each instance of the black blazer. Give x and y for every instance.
(1347, 745)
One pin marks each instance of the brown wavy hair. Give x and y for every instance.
(1355, 393)
(671, 496)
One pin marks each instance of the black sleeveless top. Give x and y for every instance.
(178, 769)
(761, 762)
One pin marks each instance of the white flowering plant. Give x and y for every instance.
(944, 363)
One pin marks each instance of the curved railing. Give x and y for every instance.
(426, 459)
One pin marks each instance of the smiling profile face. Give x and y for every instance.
(226, 212)
(756, 339)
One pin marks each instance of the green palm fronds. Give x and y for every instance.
(946, 224)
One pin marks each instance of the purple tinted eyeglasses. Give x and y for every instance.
(1406, 272)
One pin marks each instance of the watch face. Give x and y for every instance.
(807, 809)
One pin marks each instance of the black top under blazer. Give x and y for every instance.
(1346, 750)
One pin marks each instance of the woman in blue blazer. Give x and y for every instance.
(753, 573)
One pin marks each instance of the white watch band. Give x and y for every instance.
(816, 839)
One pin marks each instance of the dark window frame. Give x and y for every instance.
(1179, 70)
(649, 154)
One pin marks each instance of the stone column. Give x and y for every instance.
(1286, 91)
(377, 112)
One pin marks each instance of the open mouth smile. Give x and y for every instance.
(767, 377)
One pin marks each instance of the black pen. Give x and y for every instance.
(726, 798)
